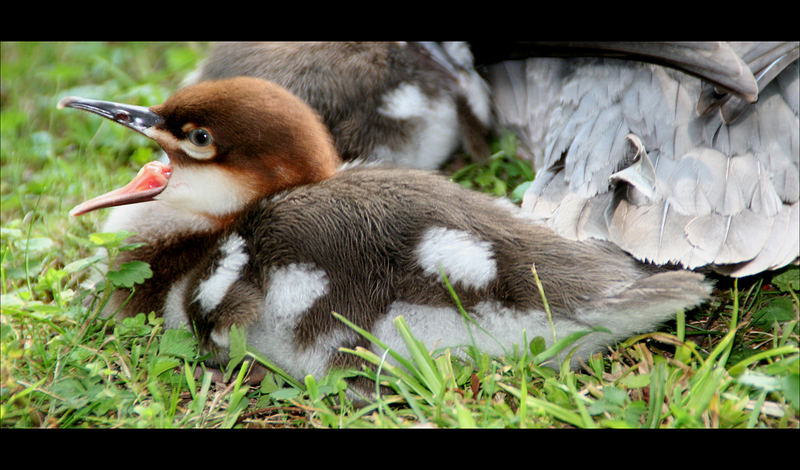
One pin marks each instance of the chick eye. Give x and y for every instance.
(200, 137)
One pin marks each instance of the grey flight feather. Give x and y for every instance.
(716, 189)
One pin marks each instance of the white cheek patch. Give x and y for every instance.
(211, 291)
(205, 189)
(465, 259)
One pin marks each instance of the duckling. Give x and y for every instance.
(648, 145)
(412, 104)
(256, 222)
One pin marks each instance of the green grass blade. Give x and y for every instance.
(464, 417)
(202, 397)
(425, 366)
(658, 376)
(372, 339)
(564, 343)
(550, 409)
(588, 422)
(275, 369)
(752, 420)
(544, 299)
(468, 320)
(399, 372)
(402, 388)
(740, 366)
(725, 353)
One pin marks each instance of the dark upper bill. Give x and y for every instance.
(151, 180)
(138, 118)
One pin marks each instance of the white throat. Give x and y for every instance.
(207, 190)
(155, 220)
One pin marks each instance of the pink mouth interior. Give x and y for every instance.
(151, 180)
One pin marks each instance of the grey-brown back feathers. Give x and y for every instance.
(369, 244)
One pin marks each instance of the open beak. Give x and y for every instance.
(147, 184)
(151, 180)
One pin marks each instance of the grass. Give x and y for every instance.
(732, 364)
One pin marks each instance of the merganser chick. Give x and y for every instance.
(254, 223)
(411, 104)
(676, 152)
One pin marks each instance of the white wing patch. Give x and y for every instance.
(404, 102)
(465, 258)
(436, 133)
(211, 291)
(174, 312)
(293, 289)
